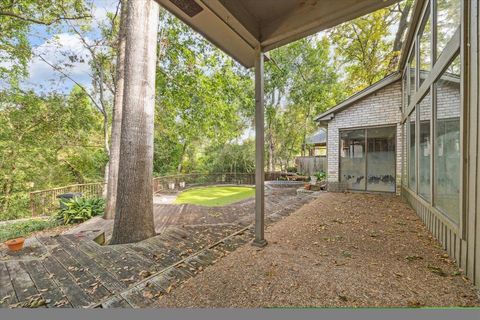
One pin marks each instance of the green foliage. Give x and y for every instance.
(301, 82)
(364, 47)
(202, 98)
(77, 210)
(24, 228)
(231, 157)
(46, 141)
(14, 205)
(321, 175)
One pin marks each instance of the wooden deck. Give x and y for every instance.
(73, 271)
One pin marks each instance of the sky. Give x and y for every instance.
(50, 45)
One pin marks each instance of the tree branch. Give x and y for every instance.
(56, 68)
(42, 22)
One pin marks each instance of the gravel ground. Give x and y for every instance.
(341, 250)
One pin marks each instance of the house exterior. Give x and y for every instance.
(365, 138)
(416, 132)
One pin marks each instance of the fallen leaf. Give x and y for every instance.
(4, 299)
(437, 270)
(145, 274)
(413, 258)
(147, 294)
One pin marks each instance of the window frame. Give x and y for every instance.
(365, 129)
(452, 49)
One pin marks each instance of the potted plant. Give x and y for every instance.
(15, 244)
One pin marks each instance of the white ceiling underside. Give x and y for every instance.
(239, 26)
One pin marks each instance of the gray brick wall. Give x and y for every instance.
(448, 102)
(379, 108)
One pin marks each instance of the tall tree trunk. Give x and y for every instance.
(271, 153)
(112, 179)
(134, 207)
(182, 156)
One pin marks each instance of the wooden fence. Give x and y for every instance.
(46, 202)
(310, 165)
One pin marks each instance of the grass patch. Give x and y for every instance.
(24, 228)
(215, 196)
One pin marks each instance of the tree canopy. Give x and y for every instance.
(17, 17)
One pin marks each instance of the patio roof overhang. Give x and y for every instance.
(240, 27)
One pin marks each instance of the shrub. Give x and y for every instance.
(80, 209)
(24, 228)
(321, 175)
(14, 206)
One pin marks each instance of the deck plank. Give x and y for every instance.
(108, 279)
(129, 263)
(116, 302)
(47, 241)
(142, 295)
(7, 293)
(86, 280)
(46, 286)
(21, 281)
(164, 257)
(75, 294)
(123, 273)
(143, 262)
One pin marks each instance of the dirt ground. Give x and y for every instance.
(341, 250)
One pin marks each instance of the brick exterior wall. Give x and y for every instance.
(379, 108)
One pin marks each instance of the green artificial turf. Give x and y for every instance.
(215, 196)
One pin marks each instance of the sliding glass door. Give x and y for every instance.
(367, 159)
(352, 158)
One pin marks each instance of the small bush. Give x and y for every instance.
(24, 228)
(80, 209)
(321, 175)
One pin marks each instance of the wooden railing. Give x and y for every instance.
(177, 182)
(174, 183)
(45, 202)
